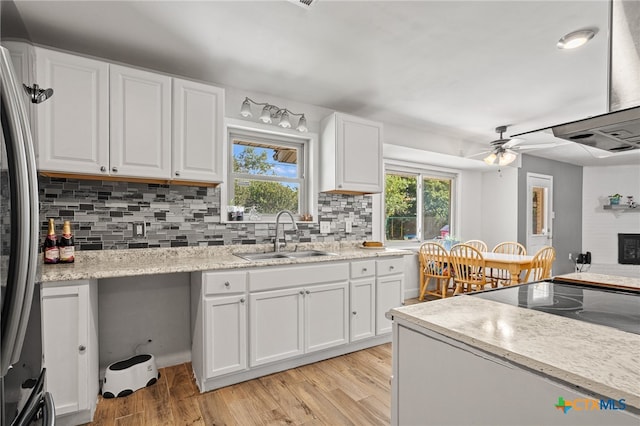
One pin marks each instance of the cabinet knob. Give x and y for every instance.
(227, 284)
(242, 300)
(354, 313)
(103, 169)
(302, 292)
(391, 268)
(114, 169)
(82, 348)
(364, 269)
(177, 173)
(308, 292)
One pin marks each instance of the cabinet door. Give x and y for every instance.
(359, 154)
(276, 325)
(65, 337)
(326, 316)
(225, 334)
(140, 123)
(363, 308)
(198, 112)
(73, 125)
(388, 296)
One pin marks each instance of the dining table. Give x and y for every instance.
(514, 263)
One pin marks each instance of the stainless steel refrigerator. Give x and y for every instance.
(23, 402)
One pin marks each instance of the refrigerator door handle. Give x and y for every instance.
(48, 410)
(11, 117)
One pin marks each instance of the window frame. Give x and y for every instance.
(307, 171)
(420, 172)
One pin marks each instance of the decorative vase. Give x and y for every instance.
(614, 201)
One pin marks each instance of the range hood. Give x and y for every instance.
(619, 129)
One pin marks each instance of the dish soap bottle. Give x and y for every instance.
(65, 245)
(51, 251)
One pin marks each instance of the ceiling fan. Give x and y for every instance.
(503, 150)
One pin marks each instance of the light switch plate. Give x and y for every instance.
(325, 227)
(139, 230)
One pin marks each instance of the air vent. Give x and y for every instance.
(304, 3)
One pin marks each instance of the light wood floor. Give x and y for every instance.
(352, 389)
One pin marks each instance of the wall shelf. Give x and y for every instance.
(622, 208)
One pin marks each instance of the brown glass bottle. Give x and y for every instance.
(66, 245)
(50, 248)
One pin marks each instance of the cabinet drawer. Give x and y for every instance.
(390, 266)
(364, 268)
(224, 282)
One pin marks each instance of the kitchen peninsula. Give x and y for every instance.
(469, 360)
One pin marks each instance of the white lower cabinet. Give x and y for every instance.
(256, 321)
(294, 321)
(363, 300)
(389, 291)
(219, 321)
(70, 348)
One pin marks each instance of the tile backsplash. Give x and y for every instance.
(102, 214)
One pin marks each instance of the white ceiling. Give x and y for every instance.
(460, 68)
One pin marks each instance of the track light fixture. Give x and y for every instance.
(273, 112)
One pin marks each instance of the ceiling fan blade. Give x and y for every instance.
(595, 152)
(535, 146)
(512, 142)
(479, 154)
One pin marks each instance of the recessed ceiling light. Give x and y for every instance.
(575, 39)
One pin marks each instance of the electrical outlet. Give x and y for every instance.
(139, 230)
(325, 227)
(348, 227)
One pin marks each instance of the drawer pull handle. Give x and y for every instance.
(82, 348)
(227, 284)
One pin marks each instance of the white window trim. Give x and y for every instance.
(399, 166)
(309, 140)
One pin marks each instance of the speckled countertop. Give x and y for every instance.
(599, 359)
(134, 262)
(602, 280)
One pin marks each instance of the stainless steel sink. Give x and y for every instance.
(283, 255)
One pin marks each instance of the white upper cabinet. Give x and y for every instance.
(198, 111)
(350, 155)
(73, 126)
(140, 123)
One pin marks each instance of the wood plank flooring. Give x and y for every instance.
(351, 389)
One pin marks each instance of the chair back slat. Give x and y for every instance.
(510, 247)
(541, 264)
(468, 267)
(478, 245)
(434, 263)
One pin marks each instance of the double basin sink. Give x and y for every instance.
(283, 255)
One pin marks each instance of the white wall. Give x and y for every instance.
(499, 207)
(600, 227)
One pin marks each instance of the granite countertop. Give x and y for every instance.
(601, 280)
(599, 359)
(134, 262)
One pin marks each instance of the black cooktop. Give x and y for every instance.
(609, 307)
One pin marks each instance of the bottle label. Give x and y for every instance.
(51, 255)
(67, 254)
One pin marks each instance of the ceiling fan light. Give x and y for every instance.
(265, 117)
(506, 157)
(491, 158)
(245, 110)
(575, 39)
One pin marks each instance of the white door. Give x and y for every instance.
(539, 212)
(276, 325)
(226, 334)
(73, 126)
(326, 316)
(198, 112)
(363, 308)
(65, 334)
(140, 123)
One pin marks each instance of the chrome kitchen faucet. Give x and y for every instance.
(276, 243)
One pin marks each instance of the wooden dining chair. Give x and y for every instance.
(434, 263)
(502, 276)
(541, 264)
(479, 245)
(468, 267)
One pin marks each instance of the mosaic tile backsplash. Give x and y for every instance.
(102, 214)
